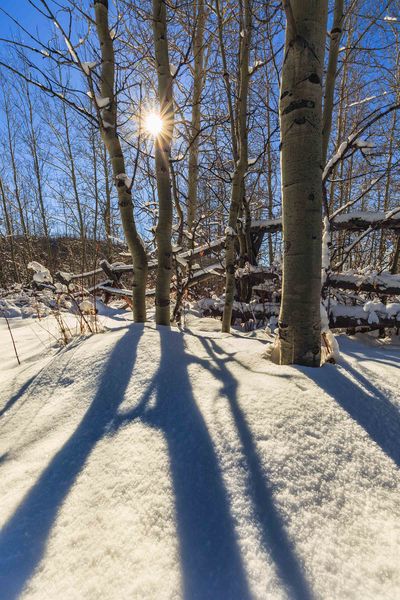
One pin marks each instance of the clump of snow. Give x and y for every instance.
(71, 49)
(374, 306)
(230, 231)
(326, 260)
(255, 66)
(88, 66)
(41, 274)
(367, 99)
(124, 177)
(86, 307)
(100, 101)
(393, 309)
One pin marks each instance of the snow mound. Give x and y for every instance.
(149, 463)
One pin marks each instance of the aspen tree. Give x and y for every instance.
(198, 82)
(335, 37)
(162, 156)
(240, 166)
(110, 137)
(300, 112)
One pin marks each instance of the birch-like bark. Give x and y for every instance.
(110, 137)
(269, 177)
(198, 83)
(227, 80)
(240, 168)
(107, 206)
(335, 37)
(162, 156)
(300, 112)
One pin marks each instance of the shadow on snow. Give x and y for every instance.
(212, 566)
(364, 402)
(23, 539)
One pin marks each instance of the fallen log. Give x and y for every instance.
(384, 284)
(352, 221)
(341, 316)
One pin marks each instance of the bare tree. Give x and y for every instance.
(240, 166)
(108, 126)
(300, 108)
(162, 157)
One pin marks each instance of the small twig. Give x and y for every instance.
(11, 335)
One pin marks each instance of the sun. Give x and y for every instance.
(153, 124)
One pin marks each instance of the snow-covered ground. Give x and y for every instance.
(145, 463)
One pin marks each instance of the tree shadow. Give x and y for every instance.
(15, 397)
(371, 352)
(23, 539)
(364, 402)
(209, 552)
(210, 556)
(35, 381)
(274, 536)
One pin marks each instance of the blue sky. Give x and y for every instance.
(23, 12)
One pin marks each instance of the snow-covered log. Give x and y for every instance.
(371, 316)
(256, 311)
(361, 220)
(61, 276)
(256, 274)
(384, 284)
(352, 221)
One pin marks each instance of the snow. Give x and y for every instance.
(367, 99)
(100, 101)
(229, 231)
(381, 282)
(255, 66)
(125, 178)
(326, 259)
(374, 306)
(71, 49)
(369, 216)
(41, 274)
(88, 66)
(351, 141)
(149, 463)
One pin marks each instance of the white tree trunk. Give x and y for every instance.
(113, 145)
(240, 168)
(301, 152)
(198, 82)
(162, 155)
(335, 37)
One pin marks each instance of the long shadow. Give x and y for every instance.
(370, 408)
(23, 539)
(15, 397)
(30, 385)
(210, 555)
(371, 353)
(275, 537)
